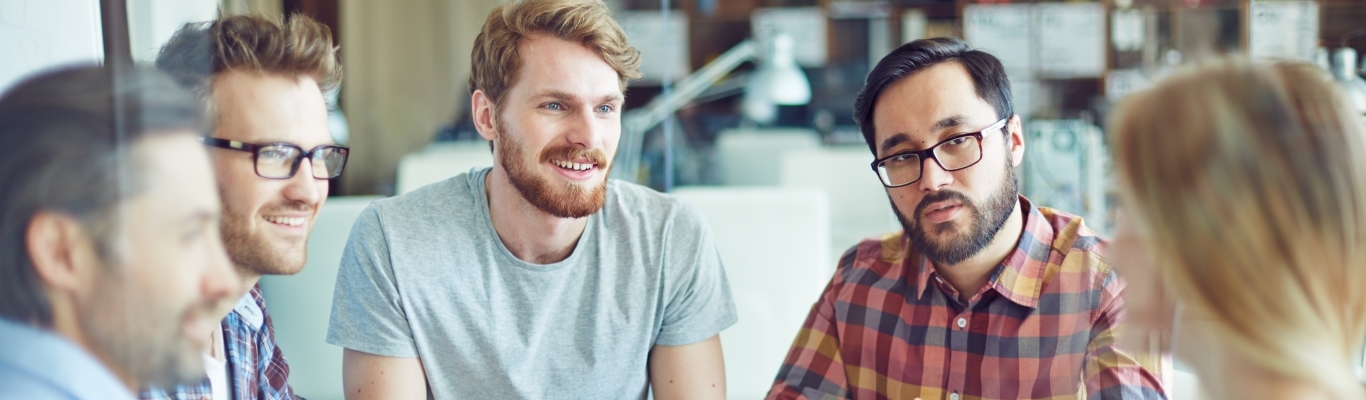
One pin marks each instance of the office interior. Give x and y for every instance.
(744, 110)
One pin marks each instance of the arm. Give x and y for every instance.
(368, 376)
(691, 371)
(1112, 372)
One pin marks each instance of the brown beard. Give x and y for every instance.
(567, 200)
(988, 218)
(252, 252)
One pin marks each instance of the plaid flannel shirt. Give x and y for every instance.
(889, 327)
(256, 367)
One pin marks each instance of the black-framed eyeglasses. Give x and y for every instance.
(958, 152)
(281, 160)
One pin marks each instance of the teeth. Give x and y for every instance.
(291, 221)
(573, 165)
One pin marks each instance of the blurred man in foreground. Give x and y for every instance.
(111, 266)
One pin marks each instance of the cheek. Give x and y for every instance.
(905, 198)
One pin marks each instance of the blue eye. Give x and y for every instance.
(554, 106)
(605, 108)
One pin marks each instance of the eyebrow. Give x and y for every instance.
(563, 96)
(949, 122)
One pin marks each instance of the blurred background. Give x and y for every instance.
(745, 110)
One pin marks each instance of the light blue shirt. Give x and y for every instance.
(36, 364)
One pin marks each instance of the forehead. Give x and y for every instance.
(549, 63)
(916, 105)
(258, 108)
(177, 175)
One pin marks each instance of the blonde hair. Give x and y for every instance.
(1251, 177)
(495, 60)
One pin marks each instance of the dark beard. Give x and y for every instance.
(562, 201)
(986, 222)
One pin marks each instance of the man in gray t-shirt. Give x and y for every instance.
(538, 277)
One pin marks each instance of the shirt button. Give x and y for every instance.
(954, 396)
(962, 323)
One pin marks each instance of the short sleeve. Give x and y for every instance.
(698, 303)
(367, 310)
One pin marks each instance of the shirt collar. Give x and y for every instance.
(1020, 276)
(57, 362)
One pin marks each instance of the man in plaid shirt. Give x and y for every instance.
(263, 82)
(982, 295)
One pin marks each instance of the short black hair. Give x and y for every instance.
(988, 77)
(67, 136)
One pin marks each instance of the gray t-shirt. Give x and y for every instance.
(424, 275)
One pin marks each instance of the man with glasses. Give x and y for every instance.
(273, 156)
(982, 294)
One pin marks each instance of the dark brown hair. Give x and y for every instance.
(988, 77)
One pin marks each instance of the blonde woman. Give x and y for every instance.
(1244, 201)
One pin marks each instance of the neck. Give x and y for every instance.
(529, 233)
(66, 324)
(971, 274)
(249, 280)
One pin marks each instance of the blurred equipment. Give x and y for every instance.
(777, 81)
(1065, 168)
(754, 156)
(1346, 73)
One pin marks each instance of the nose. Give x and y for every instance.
(585, 128)
(303, 187)
(932, 176)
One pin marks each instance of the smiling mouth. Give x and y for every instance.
(289, 221)
(573, 166)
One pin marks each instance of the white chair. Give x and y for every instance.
(750, 157)
(300, 305)
(439, 161)
(859, 207)
(774, 245)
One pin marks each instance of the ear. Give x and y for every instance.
(62, 253)
(1017, 142)
(481, 109)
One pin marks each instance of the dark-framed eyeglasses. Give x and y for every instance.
(281, 160)
(958, 152)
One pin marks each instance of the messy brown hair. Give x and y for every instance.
(495, 60)
(253, 44)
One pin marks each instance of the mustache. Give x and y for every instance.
(570, 153)
(288, 206)
(939, 196)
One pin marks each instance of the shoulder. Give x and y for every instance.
(632, 204)
(429, 206)
(1079, 250)
(873, 259)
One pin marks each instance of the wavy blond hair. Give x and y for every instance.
(1251, 177)
(495, 59)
